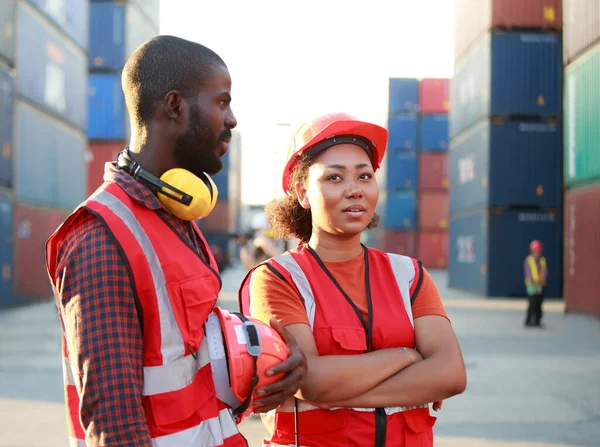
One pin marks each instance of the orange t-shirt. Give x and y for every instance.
(275, 298)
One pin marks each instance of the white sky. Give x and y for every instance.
(292, 60)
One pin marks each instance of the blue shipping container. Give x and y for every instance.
(7, 30)
(72, 16)
(487, 251)
(402, 132)
(6, 124)
(126, 29)
(507, 74)
(151, 8)
(107, 114)
(222, 183)
(507, 164)
(49, 163)
(6, 250)
(404, 95)
(398, 209)
(433, 133)
(401, 170)
(51, 71)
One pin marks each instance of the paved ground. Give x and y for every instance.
(527, 388)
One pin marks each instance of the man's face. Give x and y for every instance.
(210, 120)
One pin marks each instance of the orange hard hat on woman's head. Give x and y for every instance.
(328, 130)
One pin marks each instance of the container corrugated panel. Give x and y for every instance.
(474, 17)
(7, 30)
(582, 118)
(396, 241)
(6, 247)
(72, 16)
(108, 118)
(487, 251)
(433, 210)
(218, 219)
(433, 170)
(433, 133)
(582, 250)
(151, 8)
(507, 164)
(97, 155)
(432, 249)
(434, 95)
(398, 210)
(403, 95)
(402, 132)
(581, 26)
(41, 176)
(401, 170)
(51, 70)
(507, 74)
(32, 227)
(221, 181)
(6, 124)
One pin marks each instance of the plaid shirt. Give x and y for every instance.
(98, 310)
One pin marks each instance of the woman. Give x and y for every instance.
(372, 325)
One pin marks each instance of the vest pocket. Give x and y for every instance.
(316, 427)
(418, 430)
(343, 340)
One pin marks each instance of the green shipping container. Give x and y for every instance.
(582, 119)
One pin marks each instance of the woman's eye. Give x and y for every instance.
(366, 176)
(333, 177)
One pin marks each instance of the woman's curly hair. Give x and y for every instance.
(287, 218)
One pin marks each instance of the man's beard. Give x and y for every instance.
(196, 149)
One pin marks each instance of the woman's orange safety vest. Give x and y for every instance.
(177, 291)
(393, 282)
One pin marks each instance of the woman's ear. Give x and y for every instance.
(301, 193)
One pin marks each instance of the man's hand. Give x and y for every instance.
(294, 368)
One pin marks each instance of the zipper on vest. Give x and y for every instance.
(380, 427)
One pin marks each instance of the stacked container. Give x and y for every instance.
(506, 144)
(43, 77)
(413, 178)
(116, 29)
(582, 156)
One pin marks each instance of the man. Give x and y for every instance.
(536, 274)
(134, 283)
(261, 246)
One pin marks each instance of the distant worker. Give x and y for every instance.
(261, 246)
(536, 274)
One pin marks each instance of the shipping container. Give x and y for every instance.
(404, 96)
(474, 17)
(151, 8)
(401, 170)
(6, 124)
(513, 74)
(433, 132)
(127, 29)
(7, 30)
(582, 119)
(51, 70)
(396, 241)
(221, 181)
(107, 114)
(218, 219)
(49, 163)
(32, 227)
(6, 247)
(71, 16)
(581, 26)
(96, 157)
(487, 251)
(507, 164)
(434, 95)
(402, 132)
(433, 210)
(582, 250)
(220, 244)
(398, 209)
(432, 249)
(433, 170)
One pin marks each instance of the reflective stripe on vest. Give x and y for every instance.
(535, 275)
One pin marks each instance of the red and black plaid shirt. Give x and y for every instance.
(98, 310)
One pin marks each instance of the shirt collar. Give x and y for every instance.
(134, 188)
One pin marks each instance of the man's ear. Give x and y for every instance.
(174, 105)
(302, 197)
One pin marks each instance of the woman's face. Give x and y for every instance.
(340, 190)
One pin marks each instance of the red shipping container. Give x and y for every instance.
(434, 96)
(32, 227)
(582, 250)
(97, 156)
(397, 241)
(432, 249)
(581, 27)
(474, 17)
(433, 210)
(433, 170)
(218, 219)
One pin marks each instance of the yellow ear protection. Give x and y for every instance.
(182, 193)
